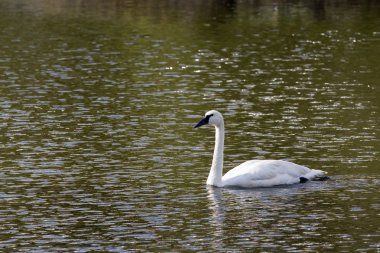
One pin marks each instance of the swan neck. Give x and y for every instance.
(215, 176)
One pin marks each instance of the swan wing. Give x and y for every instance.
(266, 173)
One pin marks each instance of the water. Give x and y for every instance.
(98, 100)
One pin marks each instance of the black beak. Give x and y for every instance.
(203, 121)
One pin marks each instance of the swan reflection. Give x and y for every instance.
(253, 206)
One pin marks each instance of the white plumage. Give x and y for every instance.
(253, 173)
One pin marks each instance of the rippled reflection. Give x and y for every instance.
(267, 217)
(98, 101)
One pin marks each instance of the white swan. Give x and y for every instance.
(254, 173)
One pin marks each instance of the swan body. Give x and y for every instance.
(253, 173)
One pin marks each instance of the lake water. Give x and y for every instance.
(98, 100)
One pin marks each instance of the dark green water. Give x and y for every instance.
(98, 100)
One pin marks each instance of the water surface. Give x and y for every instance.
(98, 101)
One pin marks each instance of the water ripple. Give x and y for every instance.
(98, 150)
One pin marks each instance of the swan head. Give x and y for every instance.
(212, 117)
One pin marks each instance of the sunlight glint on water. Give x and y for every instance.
(98, 103)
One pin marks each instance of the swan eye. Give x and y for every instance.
(209, 116)
(204, 121)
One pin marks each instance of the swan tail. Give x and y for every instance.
(314, 174)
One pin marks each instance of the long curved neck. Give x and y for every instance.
(215, 176)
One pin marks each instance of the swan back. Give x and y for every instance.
(266, 173)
